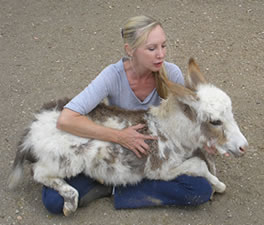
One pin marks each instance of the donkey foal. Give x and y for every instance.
(193, 117)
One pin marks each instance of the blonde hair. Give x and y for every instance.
(135, 32)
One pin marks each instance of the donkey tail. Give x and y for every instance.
(23, 153)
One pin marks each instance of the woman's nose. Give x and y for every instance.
(161, 53)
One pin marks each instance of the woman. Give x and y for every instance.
(135, 82)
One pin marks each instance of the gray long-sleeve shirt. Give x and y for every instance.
(112, 83)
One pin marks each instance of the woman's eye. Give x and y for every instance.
(216, 122)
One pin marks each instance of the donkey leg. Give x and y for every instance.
(197, 167)
(69, 194)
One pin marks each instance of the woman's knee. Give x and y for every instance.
(52, 200)
(198, 188)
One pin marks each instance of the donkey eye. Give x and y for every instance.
(216, 122)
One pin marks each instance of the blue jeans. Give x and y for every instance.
(182, 191)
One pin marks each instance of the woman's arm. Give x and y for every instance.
(77, 124)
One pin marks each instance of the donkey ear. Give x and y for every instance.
(194, 77)
(181, 92)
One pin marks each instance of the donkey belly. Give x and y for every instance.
(112, 164)
(113, 174)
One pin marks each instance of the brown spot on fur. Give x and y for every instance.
(129, 159)
(112, 155)
(213, 132)
(64, 162)
(96, 164)
(167, 153)
(21, 155)
(73, 146)
(59, 104)
(137, 165)
(81, 148)
(121, 120)
(109, 160)
(198, 153)
(116, 152)
(188, 112)
(110, 169)
(31, 157)
(162, 137)
(155, 160)
(102, 112)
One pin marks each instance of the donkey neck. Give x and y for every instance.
(173, 121)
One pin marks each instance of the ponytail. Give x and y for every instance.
(160, 78)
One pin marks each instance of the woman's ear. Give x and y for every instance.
(128, 50)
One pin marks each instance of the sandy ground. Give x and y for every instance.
(53, 48)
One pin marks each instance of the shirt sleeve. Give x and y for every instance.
(174, 73)
(94, 93)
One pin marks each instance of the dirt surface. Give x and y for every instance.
(53, 48)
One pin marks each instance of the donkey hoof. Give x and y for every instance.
(66, 212)
(220, 188)
(68, 209)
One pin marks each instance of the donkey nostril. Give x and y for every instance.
(242, 150)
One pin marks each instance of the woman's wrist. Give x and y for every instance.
(116, 135)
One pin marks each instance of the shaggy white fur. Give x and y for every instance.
(186, 122)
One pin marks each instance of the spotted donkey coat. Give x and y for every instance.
(192, 117)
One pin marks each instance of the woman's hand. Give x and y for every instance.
(130, 138)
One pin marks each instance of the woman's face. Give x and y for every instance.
(151, 54)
